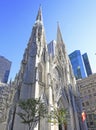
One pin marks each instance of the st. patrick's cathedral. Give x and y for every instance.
(49, 77)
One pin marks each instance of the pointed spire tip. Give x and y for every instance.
(39, 15)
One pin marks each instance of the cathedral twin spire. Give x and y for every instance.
(39, 18)
(59, 36)
(33, 70)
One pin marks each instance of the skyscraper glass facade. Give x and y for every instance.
(51, 47)
(87, 64)
(5, 66)
(77, 64)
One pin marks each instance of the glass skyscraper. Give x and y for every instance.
(5, 66)
(87, 64)
(77, 64)
(51, 47)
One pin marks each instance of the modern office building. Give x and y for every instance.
(77, 64)
(51, 47)
(6, 93)
(87, 89)
(5, 66)
(87, 64)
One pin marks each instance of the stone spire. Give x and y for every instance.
(39, 15)
(62, 54)
(38, 30)
(60, 46)
(59, 36)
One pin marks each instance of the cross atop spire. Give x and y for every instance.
(39, 15)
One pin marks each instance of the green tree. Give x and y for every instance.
(32, 110)
(58, 116)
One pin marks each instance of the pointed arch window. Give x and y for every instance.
(59, 54)
(39, 33)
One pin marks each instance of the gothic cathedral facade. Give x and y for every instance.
(50, 78)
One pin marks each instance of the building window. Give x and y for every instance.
(87, 103)
(91, 123)
(89, 91)
(60, 54)
(83, 104)
(90, 116)
(90, 96)
(93, 89)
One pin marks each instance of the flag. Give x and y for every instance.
(83, 116)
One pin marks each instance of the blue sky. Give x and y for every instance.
(77, 19)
